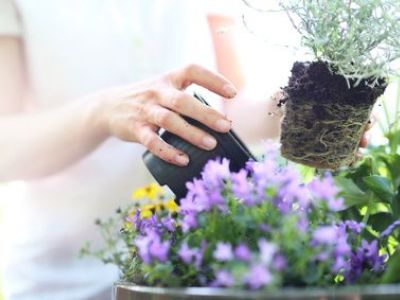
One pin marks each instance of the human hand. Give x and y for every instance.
(136, 112)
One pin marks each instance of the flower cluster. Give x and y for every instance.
(256, 228)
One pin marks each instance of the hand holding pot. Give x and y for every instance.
(136, 112)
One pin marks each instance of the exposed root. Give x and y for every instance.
(324, 118)
(323, 135)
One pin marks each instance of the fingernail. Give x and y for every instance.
(223, 125)
(182, 159)
(230, 90)
(209, 142)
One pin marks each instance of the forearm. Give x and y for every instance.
(225, 48)
(254, 121)
(39, 144)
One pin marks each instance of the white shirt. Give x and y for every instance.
(73, 48)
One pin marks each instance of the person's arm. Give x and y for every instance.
(38, 144)
(253, 120)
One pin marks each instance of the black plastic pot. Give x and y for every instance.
(229, 146)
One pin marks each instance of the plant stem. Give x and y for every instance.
(387, 116)
(367, 213)
(396, 121)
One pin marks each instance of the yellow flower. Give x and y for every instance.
(151, 191)
(171, 205)
(146, 214)
(156, 206)
(147, 210)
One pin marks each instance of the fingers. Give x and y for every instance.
(174, 123)
(187, 105)
(364, 141)
(216, 83)
(161, 149)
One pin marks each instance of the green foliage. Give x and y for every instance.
(392, 274)
(372, 192)
(359, 38)
(117, 247)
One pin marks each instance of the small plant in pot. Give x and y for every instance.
(328, 101)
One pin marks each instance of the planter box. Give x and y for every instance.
(128, 291)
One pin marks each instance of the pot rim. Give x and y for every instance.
(285, 293)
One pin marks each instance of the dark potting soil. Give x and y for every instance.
(315, 81)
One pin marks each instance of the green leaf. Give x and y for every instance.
(394, 139)
(396, 204)
(392, 163)
(351, 193)
(380, 186)
(392, 273)
(380, 221)
(306, 173)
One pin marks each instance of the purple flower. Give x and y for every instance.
(323, 188)
(159, 249)
(186, 254)
(366, 257)
(295, 192)
(150, 246)
(284, 205)
(215, 199)
(223, 252)
(369, 249)
(189, 221)
(149, 224)
(257, 277)
(354, 226)
(196, 198)
(204, 194)
(271, 149)
(264, 175)
(279, 263)
(340, 265)
(325, 235)
(142, 243)
(242, 188)
(168, 223)
(267, 251)
(198, 255)
(264, 227)
(342, 246)
(188, 203)
(134, 219)
(242, 252)
(223, 278)
(192, 255)
(336, 204)
(388, 231)
(288, 175)
(356, 267)
(302, 223)
(323, 256)
(215, 172)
